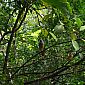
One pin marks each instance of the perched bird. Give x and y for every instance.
(70, 56)
(41, 47)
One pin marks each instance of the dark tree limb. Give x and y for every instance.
(36, 55)
(54, 74)
(4, 35)
(10, 40)
(13, 31)
(10, 15)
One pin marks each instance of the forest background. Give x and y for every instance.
(61, 26)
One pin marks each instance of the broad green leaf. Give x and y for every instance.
(81, 55)
(78, 22)
(44, 32)
(36, 33)
(82, 28)
(59, 28)
(83, 40)
(75, 45)
(54, 36)
(73, 36)
(56, 3)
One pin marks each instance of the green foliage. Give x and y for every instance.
(56, 3)
(60, 24)
(62, 5)
(82, 28)
(54, 36)
(59, 28)
(75, 45)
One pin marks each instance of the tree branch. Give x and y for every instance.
(10, 40)
(37, 54)
(54, 74)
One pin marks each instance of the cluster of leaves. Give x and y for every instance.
(60, 23)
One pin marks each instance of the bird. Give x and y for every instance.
(41, 47)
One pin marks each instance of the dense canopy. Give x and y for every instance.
(42, 42)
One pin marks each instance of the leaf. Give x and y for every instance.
(44, 32)
(75, 45)
(82, 28)
(73, 36)
(36, 33)
(78, 22)
(46, 17)
(81, 55)
(83, 40)
(59, 28)
(69, 7)
(54, 36)
(56, 3)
